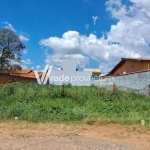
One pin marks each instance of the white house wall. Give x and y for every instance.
(69, 64)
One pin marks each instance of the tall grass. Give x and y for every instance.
(36, 103)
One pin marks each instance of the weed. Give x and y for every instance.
(32, 102)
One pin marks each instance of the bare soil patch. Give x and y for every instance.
(23, 135)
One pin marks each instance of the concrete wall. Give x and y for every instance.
(137, 82)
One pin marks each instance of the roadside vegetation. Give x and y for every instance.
(42, 103)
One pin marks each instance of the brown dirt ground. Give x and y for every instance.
(134, 136)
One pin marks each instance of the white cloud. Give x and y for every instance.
(95, 18)
(38, 66)
(129, 37)
(26, 62)
(23, 38)
(144, 5)
(87, 26)
(74, 45)
(117, 10)
(9, 26)
(57, 59)
(25, 51)
(130, 31)
(24, 67)
(69, 43)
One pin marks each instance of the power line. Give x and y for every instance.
(139, 9)
(142, 12)
(133, 14)
(143, 20)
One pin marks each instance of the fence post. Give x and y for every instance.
(114, 88)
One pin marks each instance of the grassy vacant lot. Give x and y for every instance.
(40, 103)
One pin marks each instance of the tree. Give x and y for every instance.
(10, 50)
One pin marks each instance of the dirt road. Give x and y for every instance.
(29, 136)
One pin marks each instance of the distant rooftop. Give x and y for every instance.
(24, 73)
(140, 59)
(92, 69)
(124, 59)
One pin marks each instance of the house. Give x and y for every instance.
(93, 71)
(4, 78)
(130, 65)
(22, 76)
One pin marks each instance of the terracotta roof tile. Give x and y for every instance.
(24, 73)
(139, 59)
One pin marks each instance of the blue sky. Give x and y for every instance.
(95, 32)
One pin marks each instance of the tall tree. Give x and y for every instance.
(10, 50)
